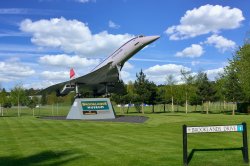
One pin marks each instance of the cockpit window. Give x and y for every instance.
(141, 36)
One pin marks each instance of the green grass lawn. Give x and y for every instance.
(28, 140)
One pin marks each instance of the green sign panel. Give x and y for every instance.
(95, 106)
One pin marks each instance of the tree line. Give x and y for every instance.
(233, 85)
(19, 96)
(196, 90)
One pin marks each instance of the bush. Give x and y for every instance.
(243, 107)
(7, 104)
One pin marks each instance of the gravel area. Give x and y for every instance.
(121, 118)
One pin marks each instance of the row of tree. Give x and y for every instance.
(19, 96)
(195, 91)
(231, 86)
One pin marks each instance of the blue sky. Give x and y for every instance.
(40, 40)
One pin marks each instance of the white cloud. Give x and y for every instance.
(126, 73)
(55, 75)
(205, 19)
(158, 73)
(14, 70)
(7, 33)
(195, 50)
(221, 43)
(125, 76)
(127, 66)
(72, 36)
(85, 1)
(113, 25)
(25, 11)
(213, 73)
(68, 61)
(39, 85)
(13, 11)
(21, 49)
(165, 69)
(194, 63)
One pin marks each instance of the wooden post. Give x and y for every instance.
(57, 109)
(233, 108)
(185, 155)
(245, 144)
(1, 109)
(142, 108)
(123, 106)
(52, 110)
(186, 104)
(207, 106)
(172, 104)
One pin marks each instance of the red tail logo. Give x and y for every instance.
(71, 73)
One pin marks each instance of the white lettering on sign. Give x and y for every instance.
(214, 129)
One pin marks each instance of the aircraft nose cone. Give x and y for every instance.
(150, 39)
(155, 37)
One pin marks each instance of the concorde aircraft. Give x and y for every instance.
(105, 76)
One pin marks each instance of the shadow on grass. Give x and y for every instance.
(236, 113)
(190, 156)
(46, 158)
(174, 115)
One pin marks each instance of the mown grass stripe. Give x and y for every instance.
(156, 142)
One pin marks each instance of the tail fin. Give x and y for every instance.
(71, 73)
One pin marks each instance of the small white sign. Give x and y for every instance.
(215, 129)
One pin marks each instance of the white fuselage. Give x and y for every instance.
(115, 61)
(126, 51)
